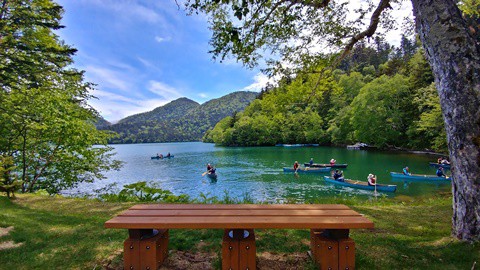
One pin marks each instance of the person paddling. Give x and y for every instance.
(209, 169)
(296, 166)
(372, 180)
(332, 162)
(338, 175)
(440, 172)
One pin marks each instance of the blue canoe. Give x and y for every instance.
(419, 177)
(307, 170)
(361, 184)
(162, 157)
(436, 165)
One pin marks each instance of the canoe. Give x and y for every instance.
(162, 158)
(292, 145)
(320, 165)
(436, 165)
(212, 176)
(298, 145)
(307, 170)
(361, 184)
(418, 177)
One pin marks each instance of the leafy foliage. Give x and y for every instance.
(142, 192)
(46, 126)
(8, 179)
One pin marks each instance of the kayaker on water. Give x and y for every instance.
(406, 171)
(311, 161)
(338, 175)
(168, 155)
(372, 180)
(445, 161)
(440, 172)
(295, 166)
(332, 161)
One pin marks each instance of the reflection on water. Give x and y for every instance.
(256, 172)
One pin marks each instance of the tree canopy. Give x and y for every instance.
(46, 125)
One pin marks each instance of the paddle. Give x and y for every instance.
(203, 174)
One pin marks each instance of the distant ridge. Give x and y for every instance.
(101, 123)
(178, 121)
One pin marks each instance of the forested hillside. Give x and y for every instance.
(101, 123)
(380, 95)
(180, 120)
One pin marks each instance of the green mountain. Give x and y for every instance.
(178, 121)
(101, 123)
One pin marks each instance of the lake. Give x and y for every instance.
(257, 171)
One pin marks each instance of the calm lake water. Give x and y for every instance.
(257, 171)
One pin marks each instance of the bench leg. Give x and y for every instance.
(145, 249)
(332, 249)
(239, 250)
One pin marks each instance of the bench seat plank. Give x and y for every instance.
(240, 206)
(244, 222)
(239, 212)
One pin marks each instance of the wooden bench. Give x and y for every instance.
(329, 224)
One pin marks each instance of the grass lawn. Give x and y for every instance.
(66, 233)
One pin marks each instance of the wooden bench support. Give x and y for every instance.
(238, 251)
(332, 249)
(145, 249)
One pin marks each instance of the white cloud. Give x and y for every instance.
(163, 90)
(114, 107)
(127, 9)
(105, 77)
(260, 81)
(145, 62)
(161, 39)
(112, 97)
(202, 95)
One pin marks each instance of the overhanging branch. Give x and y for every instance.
(311, 3)
(372, 27)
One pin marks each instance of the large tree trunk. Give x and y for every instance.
(454, 55)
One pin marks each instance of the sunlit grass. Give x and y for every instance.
(68, 233)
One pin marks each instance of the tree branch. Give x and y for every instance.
(311, 3)
(384, 4)
(260, 24)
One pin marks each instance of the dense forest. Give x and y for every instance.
(178, 121)
(380, 94)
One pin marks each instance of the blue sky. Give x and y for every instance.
(144, 54)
